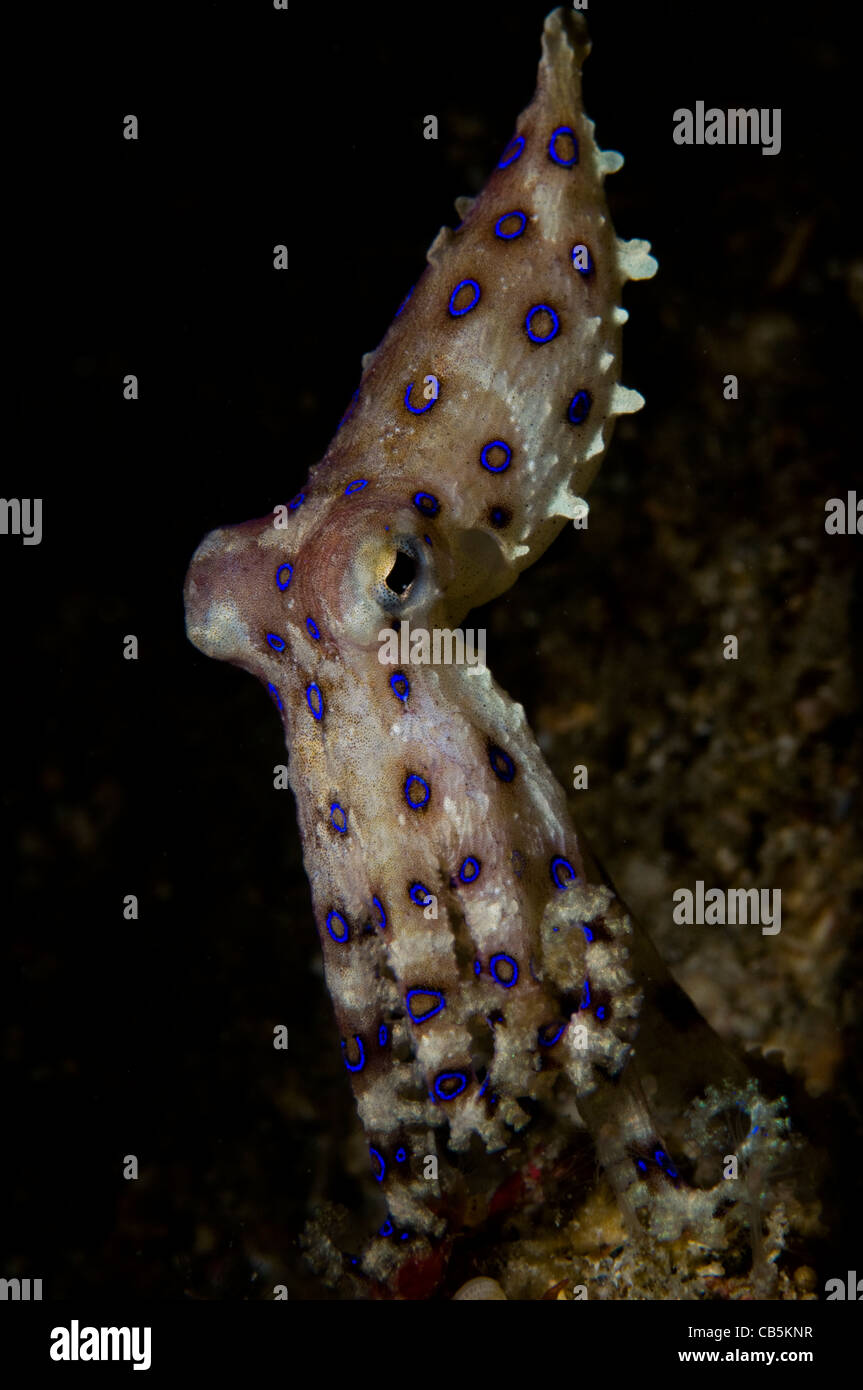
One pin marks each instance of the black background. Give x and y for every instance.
(155, 777)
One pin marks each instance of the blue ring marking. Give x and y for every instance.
(543, 1038)
(277, 643)
(337, 916)
(349, 409)
(335, 807)
(552, 153)
(426, 503)
(314, 630)
(495, 444)
(457, 313)
(386, 1229)
(276, 696)
(449, 1076)
(477, 968)
(518, 142)
(296, 501)
(356, 486)
(492, 969)
(510, 236)
(380, 1158)
(469, 870)
(283, 583)
(558, 863)
(588, 933)
(555, 323)
(400, 685)
(380, 907)
(314, 691)
(600, 1013)
(585, 995)
(419, 894)
(417, 805)
(420, 409)
(588, 269)
(404, 301)
(401, 1155)
(435, 994)
(502, 764)
(579, 408)
(383, 1034)
(351, 1066)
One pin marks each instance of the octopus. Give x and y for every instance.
(491, 989)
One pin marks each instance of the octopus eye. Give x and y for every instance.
(402, 574)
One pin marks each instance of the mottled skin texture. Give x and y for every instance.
(530, 949)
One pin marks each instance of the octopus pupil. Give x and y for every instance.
(402, 574)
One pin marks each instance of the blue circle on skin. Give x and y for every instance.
(356, 486)
(383, 916)
(426, 503)
(277, 643)
(420, 781)
(282, 583)
(314, 696)
(334, 808)
(469, 870)
(354, 1066)
(420, 409)
(543, 1038)
(510, 236)
(516, 144)
(296, 501)
(556, 865)
(492, 969)
(449, 1076)
(276, 696)
(312, 626)
(435, 994)
(400, 1155)
(502, 764)
(382, 1035)
(400, 685)
(588, 269)
(374, 1153)
(555, 323)
(419, 894)
(495, 444)
(386, 1229)
(404, 301)
(457, 313)
(349, 411)
(579, 408)
(552, 152)
(337, 917)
